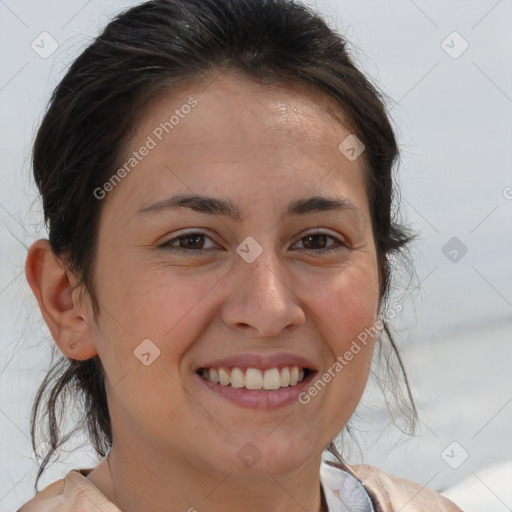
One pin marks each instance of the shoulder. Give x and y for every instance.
(392, 494)
(74, 493)
(45, 500)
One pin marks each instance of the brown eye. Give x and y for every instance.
(318, 242)
(191, 242)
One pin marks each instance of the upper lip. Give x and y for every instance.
(263, 362)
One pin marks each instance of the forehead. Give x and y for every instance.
(252, 112)
(230, 132)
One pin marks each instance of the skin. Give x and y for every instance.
(175, 442)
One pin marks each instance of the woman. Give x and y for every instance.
(217, 181)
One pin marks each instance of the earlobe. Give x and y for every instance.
(68, 320)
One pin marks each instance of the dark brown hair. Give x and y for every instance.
(157, 46)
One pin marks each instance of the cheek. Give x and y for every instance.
(346, 313)
(346, 305)
(167, 308)
(149, 301)
(140, 303)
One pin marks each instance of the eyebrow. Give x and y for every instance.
(215, 206)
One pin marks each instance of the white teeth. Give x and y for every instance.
(254, 378)
(214, 375)
(294, 376)
(285, 377)
(271, 379)
(223, 377)
(237, 378)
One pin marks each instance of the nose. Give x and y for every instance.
(261, 301)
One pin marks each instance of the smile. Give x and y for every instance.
(255, 388)
(253, 378)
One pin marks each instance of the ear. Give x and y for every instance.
(69, 320)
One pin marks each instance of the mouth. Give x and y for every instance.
(255, 387)
(254, 378)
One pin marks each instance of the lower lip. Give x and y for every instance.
(261, 398)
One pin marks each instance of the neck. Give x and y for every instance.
(134, 481)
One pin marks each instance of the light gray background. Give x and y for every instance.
(453, 119)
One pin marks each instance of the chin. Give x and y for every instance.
(269, 453)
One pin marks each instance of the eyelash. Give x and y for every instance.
(200, 252)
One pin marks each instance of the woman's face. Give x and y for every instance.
(250, 273)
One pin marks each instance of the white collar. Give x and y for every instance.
(343, 491)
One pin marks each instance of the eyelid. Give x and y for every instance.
(320, 231)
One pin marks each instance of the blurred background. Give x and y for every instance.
(445, 69)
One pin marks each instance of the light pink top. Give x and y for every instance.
(360, 488)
